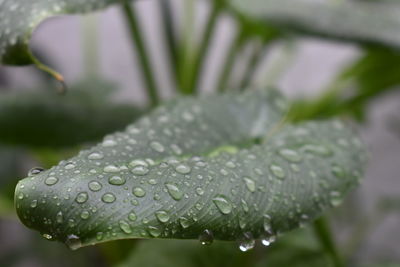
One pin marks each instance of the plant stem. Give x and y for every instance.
(169, 31)
(138, 43)
(324, 235)
(254, 62)
(232, 54)
(200, 56)
(186, 45)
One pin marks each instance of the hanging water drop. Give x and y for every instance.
(206, 238)
(247, 242)
(73, 242)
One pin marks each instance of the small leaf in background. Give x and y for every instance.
(374, 22)
(19, 18)
(219, 167)
(45, 119)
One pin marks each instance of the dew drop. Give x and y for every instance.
(47, 236)
(199, 191)
(111, 169)
(94, 186)
(277, 171)
(108, 198)
(184, 222)
(51, 180)
(95, 156)
(157, 147)
(116, 180)
(162, 216)
(183, 169)
(140, 170)
(268, 240)
(223, 205)
(139, 192)
(35, 171)
(125, 227)
(335, 198)
(109, 143)
(154, 231)
(73, 242)
(81, 197)
(290, 155)
(59, 217)
(85, 215)
(174, 191)
(247, 242)
(132, 216)
(34, 203)
(206, 238)
(69, 166)
(250, 184)
(338, 171)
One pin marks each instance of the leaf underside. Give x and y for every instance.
(19, 18)
(373, 22)
(221, 163)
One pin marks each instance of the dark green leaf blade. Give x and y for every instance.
(218, 163)
(46, 119)
(359, 21)
(19, 18)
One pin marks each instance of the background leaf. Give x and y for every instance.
(218, 163)
(46, 119)
(361, 21)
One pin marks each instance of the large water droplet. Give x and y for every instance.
(108, 198)
(174, 191)
(277, 171)
(94, 186)
(183, 169)
(125, 227)
(95, 156)
(116, 180)
(81, 197)
(73, 242)
(35, 171)
(139, 192)
(223, 204)
(162, 216)
(247, 242)
(140, 170)
(154, 231)
(250, 184)
(111, 169)
(157, 146)
(51, 180)
(290, 155)
(206, 238)
(184, 222)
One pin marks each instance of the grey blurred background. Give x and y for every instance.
(314, 64)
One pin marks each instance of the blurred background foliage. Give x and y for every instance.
(41, 127)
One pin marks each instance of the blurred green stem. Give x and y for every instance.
(143, 55)
(89, 44)
(201, 54)
(232, 54)
(323, 233)
(169, 31)
(253, 64)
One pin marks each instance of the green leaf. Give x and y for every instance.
(46, 119)
(360, 21)
(220, 163)
(19, 18)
